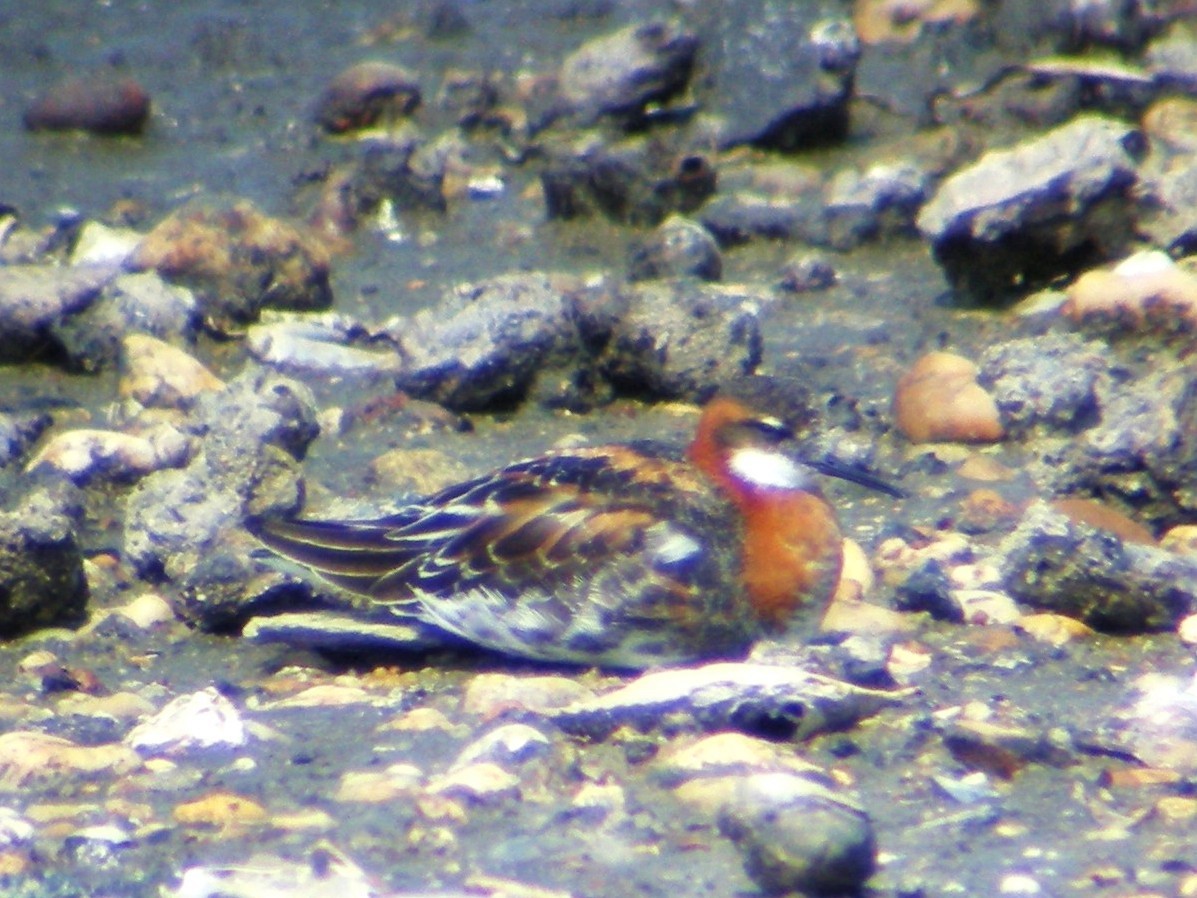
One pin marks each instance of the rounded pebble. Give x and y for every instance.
(939, 399)
(797, 835)
(99, 104)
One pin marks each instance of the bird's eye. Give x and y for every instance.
(772, 430)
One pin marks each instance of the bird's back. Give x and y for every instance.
(617, 555)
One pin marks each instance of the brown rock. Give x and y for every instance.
(1147, 288)
(1095, 514)
(238, 260)
(365, 93)
(99, 104)
(1054, 629)
(158, 374)
(939, 399)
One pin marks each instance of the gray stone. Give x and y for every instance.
(621, 74)
(34, 299)
(677, 248)
(251, 434)
(798, 835)
(780, 73)
(41, 566)
(1057, 564)
(1052, 381)
(1020, 216)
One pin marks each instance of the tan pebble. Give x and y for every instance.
(903, 21)
(987, 509)
(939, 400)
(1083, 510)
(856, 575)
(148, 610)
(154, 373)
(419, 720)
(1172, 121)
(325, 695)
(28, 757)
(1147, 286)
(481, 782)
(438, 808)
(1181, 539)
(14, 862)
(376, 786)
(984, 468)
(1054, 629)
(609, 798)
(89, 452)
(309, 820)
(490, 695)
(118, 706)
(708, 794)
(907, 660)
(986, 607)
(723, 753)
(46, 812)
(36, 661)
(852, 616)
(221, 809)
(1187, 630)
(1137, 777)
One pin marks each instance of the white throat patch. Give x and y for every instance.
(768, 470)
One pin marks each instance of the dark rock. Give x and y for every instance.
(252, 433)
(678, 247)
(131, 302)
(1020, 216)
(486, 343)
(677, 339)
(41, 567)
(365, 93)
(19, 431)
(621, 74)
(928, 589)
(238, 261)
(1013, 98)
(633, 182)
(446, 20)
(34, 299)
(1052, 381)
(1173, 221)
(1053, 562)
(798, 835)
(1105, 23)
(387, 171)
(780, 73)
(880, 202)
(1172, 57)
(806, 274)
(739, 216)
(101, 104)
(499, 342)
(1143, 453)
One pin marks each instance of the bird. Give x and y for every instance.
(625, 556)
